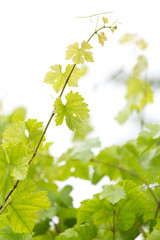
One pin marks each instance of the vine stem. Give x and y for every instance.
(157, 210)
(114, 228)
(141, 229)
(132, 174)
(96, 31)
(47, 125)
(41, 138)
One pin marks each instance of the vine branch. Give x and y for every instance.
(41, 138)
(141, 229)
(47, 125)
(114, 228)
(157, 210)
(130, 173)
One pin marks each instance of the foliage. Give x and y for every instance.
(32, 207)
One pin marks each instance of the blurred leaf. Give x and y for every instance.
(155, 235)
(86, 231)
(81, 132)
(113, 193)
(139, 94)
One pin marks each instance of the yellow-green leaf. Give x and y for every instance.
(24, 206)
(105, 20)
(79, 55)
(102, 38)
(75, 110)
(55, 77)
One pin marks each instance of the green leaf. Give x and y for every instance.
(72, 168)
(59, 111)
(3, 221)
(102, 37)
(63, 197)
(75, 110)
(113, 193)
(124, 114)
(78, 55)
(55, 77)
(7, 234)
(139, 94)
(111, 156)
(130, 207)
(41, 227)
(16, 133)
(18, 161)
(87, 210)
(134, 39)
(35, 131)
(86, 232)
(81, 132)
(141, 44)
(128, 38)
(141, 65)
(18, 114)
(82, 151)
(69, 234)
(24, 205)
(5, 178)
(76, 74)
(105, 20)
(155, 235)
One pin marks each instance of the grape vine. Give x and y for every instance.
(32, 207)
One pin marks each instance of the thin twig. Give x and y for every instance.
(98, 14)
(157, 210)
(41, 138)
(114, 228)
(141, 229)
(98, 31)
(4, 207)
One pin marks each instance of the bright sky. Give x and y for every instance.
(35, 35)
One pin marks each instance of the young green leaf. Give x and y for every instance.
(102, 37)
(17, 161)
(86, 231)
(138, 96)
(140, 66)
(78, 55)
(34, 131)
(75, 110)
(81, 132)
(59, 111)
(76, 74)
(113, 193)
(105, 20)
(16, 133)
(55, 77)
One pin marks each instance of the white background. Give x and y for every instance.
(34, 35)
